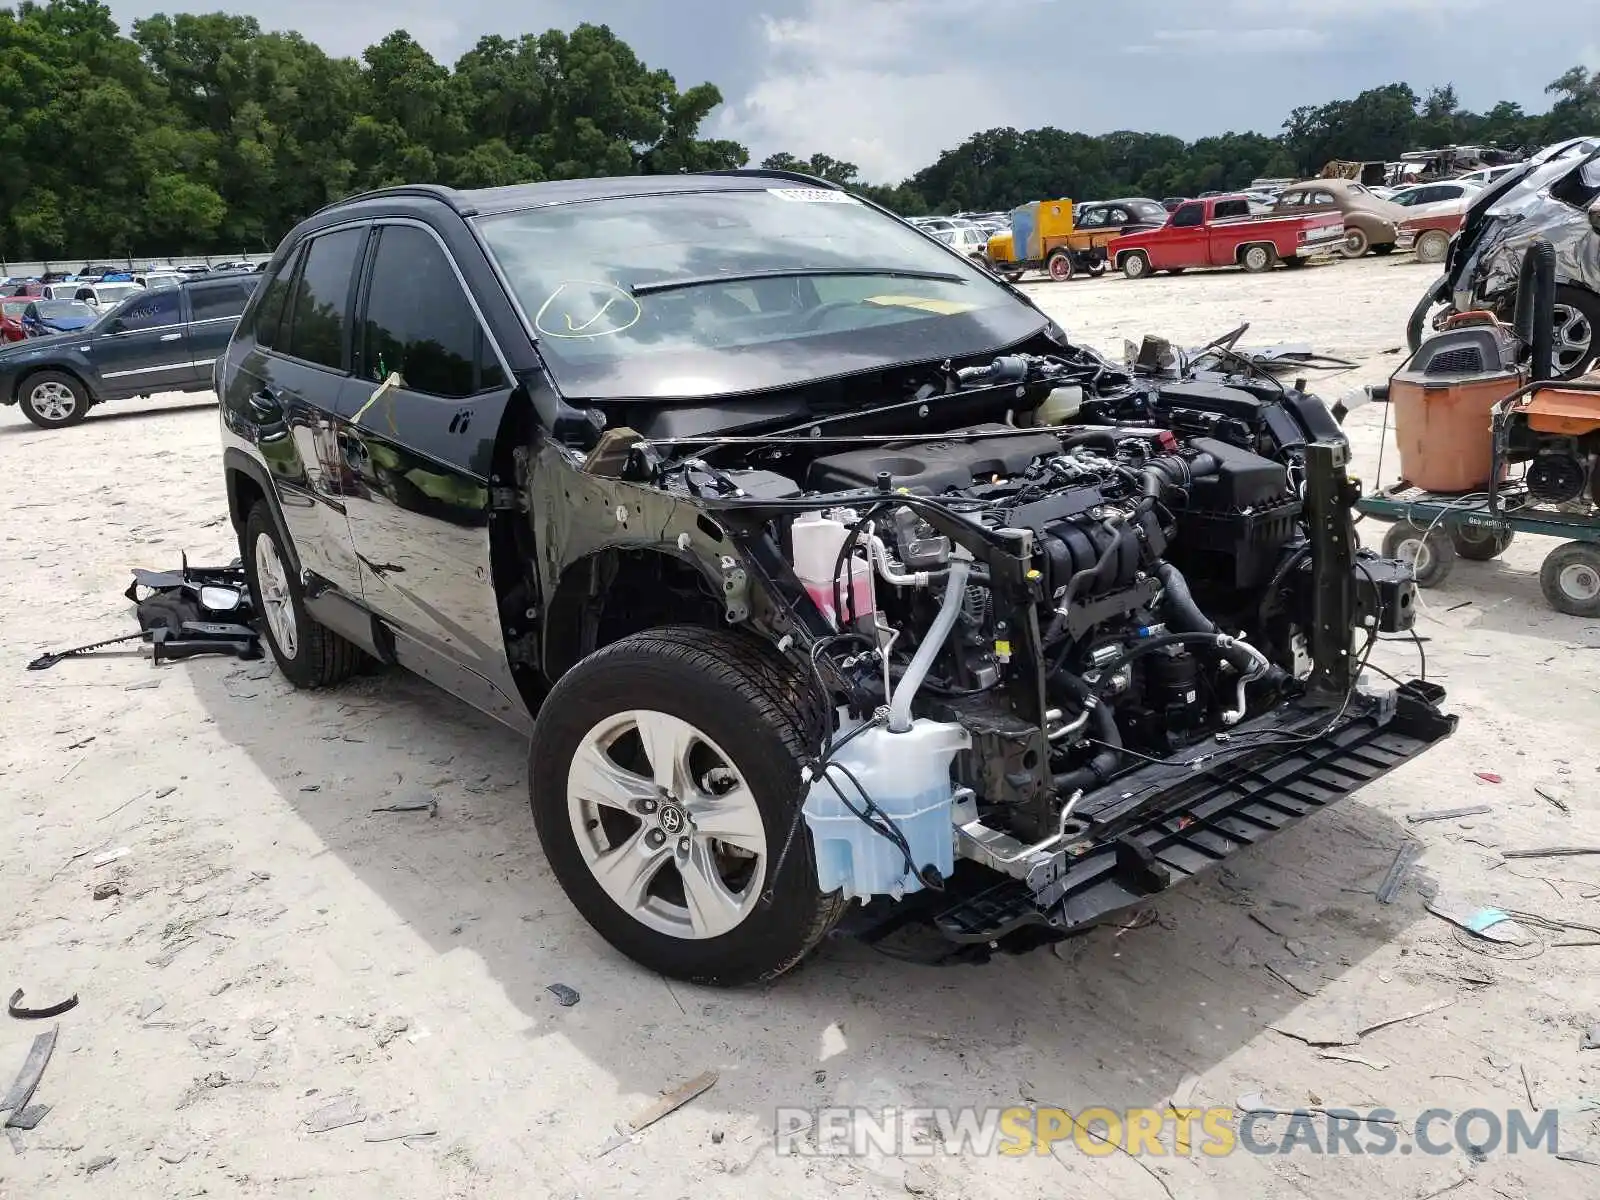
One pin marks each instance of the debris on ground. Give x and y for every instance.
(397, 1129)
(1551, 852)
(1591, 1038)
(29, 1117)
(1450, 814)
(261, 1028)
(27, 1080)
(109, 857)
(1377, 1064)
(1255, 1103)
(1495, 924)
(1408, 853)
(336, 1114)
(1338, 1023)
(1549, 794)
(104, 891)
(1587, 1157)
(565, 996)
(16, 1009)
(427, 804)
(1488, 777)
(669, 1103)
(99, 1163)
(392, 1028)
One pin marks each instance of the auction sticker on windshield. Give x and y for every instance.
(812, 195)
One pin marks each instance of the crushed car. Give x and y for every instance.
(1550, 197)
(732, 490)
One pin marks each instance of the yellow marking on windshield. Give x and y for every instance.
(947, 308)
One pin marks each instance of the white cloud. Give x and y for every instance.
(873, 82)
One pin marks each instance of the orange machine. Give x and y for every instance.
(1442, 401)
(1556, 431)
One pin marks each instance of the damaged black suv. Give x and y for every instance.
(744, 497)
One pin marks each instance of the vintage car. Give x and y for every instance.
(1370, 222)
(1062, 239)
(1436, 211)
(1222, 231)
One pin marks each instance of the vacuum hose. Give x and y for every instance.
(1536, 301)
(955, 593)
(1184, 616)
(1105, 762)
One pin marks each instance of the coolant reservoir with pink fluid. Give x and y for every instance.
(818, 538)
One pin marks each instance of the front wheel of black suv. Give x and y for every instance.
(309, 654)
(664, 777)
(53, 399)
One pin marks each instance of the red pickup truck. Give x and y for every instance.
(1221, 231)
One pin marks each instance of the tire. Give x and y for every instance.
(1096, 268)
(1433, 246)
(1356, 242)
(53, 399)
(1384, 248)
(724, 696)
(1059, 266)
(309, 654)
(1136, 265)
(1577, 332)
(1477, 544)
(1256, 258)
(1430, 551)
(1570, 579)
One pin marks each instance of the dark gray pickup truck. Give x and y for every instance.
(164, 340)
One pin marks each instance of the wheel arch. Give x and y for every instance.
(248, 483)
(57, 368)
(611, 593)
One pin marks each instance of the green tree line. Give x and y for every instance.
(201, 132)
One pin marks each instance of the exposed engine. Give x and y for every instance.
(1049, 614)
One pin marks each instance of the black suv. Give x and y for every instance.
(731, 489)
(165, 340)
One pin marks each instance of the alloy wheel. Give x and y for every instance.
(666, 824)
(276, 600)
(53, 401)
(1573, 340)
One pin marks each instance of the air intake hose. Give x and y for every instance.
(1536, 302)
(1108, 758)
(1184, 616)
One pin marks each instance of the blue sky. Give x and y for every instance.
(888, 84)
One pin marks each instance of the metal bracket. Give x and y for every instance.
(735, 590)
(1328, 495)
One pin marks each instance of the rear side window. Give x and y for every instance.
(419, 323)
(1232, 208)
(218, 301)
(314, 328)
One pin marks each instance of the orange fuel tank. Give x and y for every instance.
(1441, 402)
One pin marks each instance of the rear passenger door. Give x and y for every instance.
(288, 387)
(418, 427)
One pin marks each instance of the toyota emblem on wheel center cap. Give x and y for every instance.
(672, 819)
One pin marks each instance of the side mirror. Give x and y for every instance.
(1594, 216)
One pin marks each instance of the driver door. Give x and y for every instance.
(143, 347)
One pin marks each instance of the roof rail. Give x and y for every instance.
(430, 191)
(777, 173)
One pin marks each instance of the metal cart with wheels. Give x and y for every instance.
(1432, 530)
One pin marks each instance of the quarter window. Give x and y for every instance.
(419, 323)
(315, 327)
(269, 314)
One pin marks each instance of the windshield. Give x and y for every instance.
(52, 309)
(589, 277)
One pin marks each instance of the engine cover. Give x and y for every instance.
(933, 468)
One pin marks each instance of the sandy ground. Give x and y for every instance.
(278, 947)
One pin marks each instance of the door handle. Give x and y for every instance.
(170, 337)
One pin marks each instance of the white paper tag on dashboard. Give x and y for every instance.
(812, 195)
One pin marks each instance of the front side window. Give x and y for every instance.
(697, 293)
(152, 310)
(315, 324)
(1189, 216)
(419, 323)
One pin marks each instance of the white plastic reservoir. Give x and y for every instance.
(908, 777)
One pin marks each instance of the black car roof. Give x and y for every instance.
(518, 196)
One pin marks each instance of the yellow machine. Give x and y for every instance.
(1041, 239)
